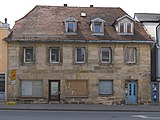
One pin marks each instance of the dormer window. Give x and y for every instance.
(71, 26)
(125, 28)
(125, 25)
(97, 26)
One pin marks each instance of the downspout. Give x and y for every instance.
(158, 52)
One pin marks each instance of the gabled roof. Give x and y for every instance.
(98, 19)
(46, 23)
(70, 19)
(125, 16)
(147, 17)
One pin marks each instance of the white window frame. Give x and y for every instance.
(74, 27)
(109, 57)
(77, 55)
(125, 24)
(105, 89)
(73, 21)
(55, 55)
(93, 26)
(134, 55)
(25, 54)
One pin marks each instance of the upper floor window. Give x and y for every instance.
(70, 26)
(105, 55)
(80, 54)
(126, 28)
(97, 26)
(54, 55)
(28, 55)
(125, 25)
(131, 55)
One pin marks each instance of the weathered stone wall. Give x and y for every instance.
(92, 70)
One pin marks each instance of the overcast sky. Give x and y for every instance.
(16, 9)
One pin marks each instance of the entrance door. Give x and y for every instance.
(54, 90)
(2, 86)
(131, 92)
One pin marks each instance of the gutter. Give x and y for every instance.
(83, 41)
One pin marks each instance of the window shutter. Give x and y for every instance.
(37, 88)
(26, 88)
(105, 87)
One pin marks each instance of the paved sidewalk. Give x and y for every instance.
(82, 107)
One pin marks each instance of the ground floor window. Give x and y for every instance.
(31, 88)
(105, 87)
(77, 88)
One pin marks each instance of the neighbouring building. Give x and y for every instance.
(79, 55)
(151, 23)
(4, 32)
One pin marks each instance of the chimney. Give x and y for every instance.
(65, 5)
(91, 6)
(5, 20)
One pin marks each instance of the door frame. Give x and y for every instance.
(49, 90)
(126, 91)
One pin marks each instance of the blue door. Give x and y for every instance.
(131, 92)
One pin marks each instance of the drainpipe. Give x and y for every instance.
(158, 53)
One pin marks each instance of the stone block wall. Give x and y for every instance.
(92, 71)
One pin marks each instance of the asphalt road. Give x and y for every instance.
(79, 115)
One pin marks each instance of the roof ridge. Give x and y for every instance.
(77, 6)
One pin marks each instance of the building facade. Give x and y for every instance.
(4, 32)
(79, 55)
(151, 22)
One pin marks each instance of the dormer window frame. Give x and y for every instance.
(125, 25)
(125, 28)
(94, 26)
(71, 23)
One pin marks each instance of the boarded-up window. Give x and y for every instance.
(105, 87)
(77, 88)
(31, 88)
(131, 55)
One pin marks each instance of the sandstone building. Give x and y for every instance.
(79, 55)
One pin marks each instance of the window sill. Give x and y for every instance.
(56, 64)
(76, 96)
(105, 95)
(28, 64)
(68, 33)
(100, 34)
(131, 63)
(125, 34)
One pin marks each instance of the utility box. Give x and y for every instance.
(154, 92)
